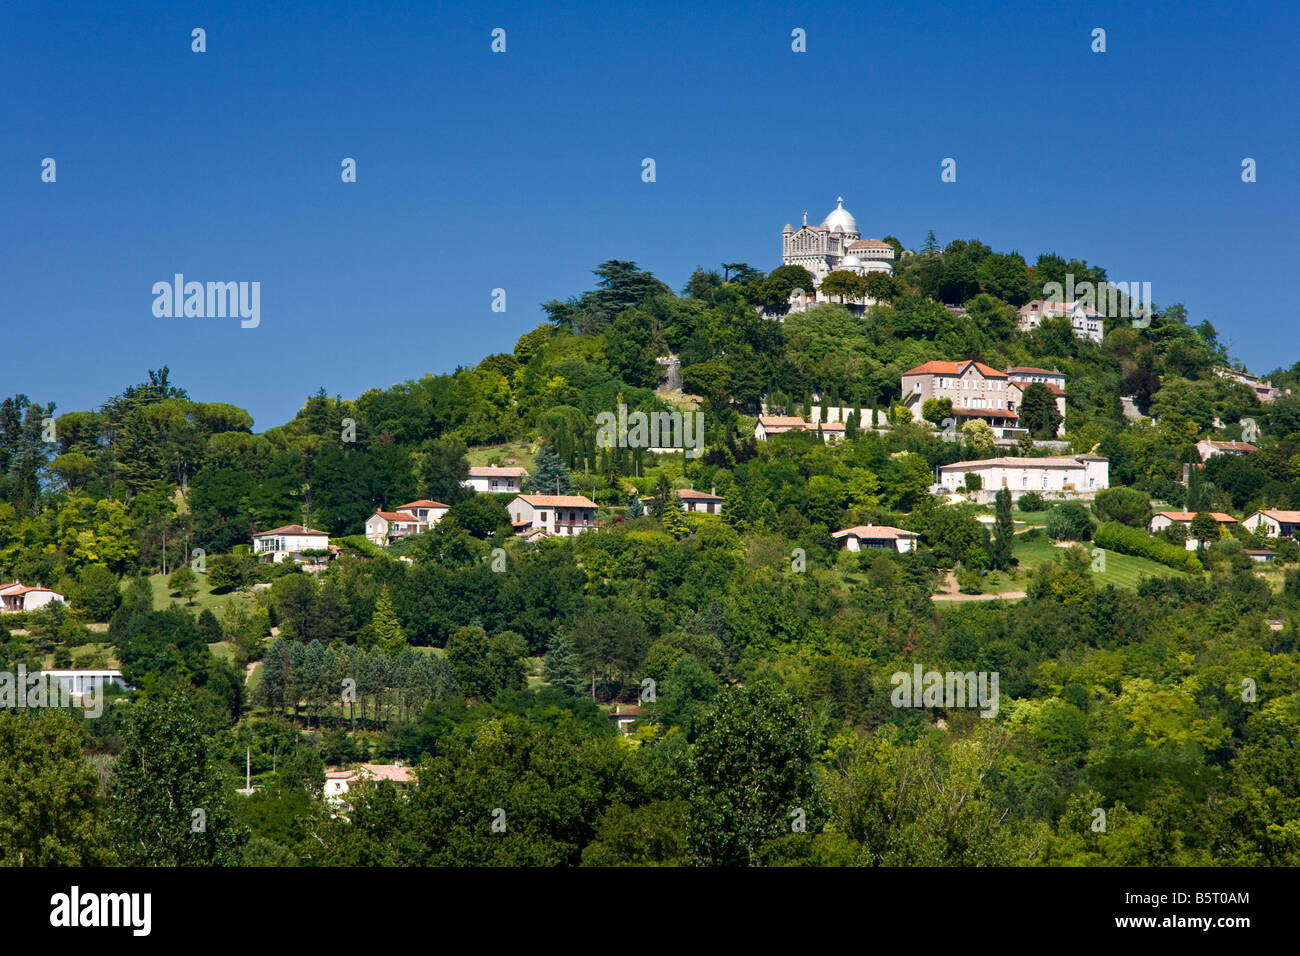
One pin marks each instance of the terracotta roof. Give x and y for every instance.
(398, 516)
(292, 529)
(558, 501)
(954, 368)
(1288, 517)
(492, 471)
(698, 495)
(422, 503)
(780, 421)
(874, 532)
(1030, 370)
(825, 426)
(1218, 516)
(1231, 445)
(384, 771)
(871, 243)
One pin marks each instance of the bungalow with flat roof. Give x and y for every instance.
(288, 543)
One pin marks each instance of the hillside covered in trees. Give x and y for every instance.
(759, 656)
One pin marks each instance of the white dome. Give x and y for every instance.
(840, 219)
(850, 262)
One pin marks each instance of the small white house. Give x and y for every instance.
(703, 502)
(1163, 519)
(385, 527)
(1273, 523)
(340, 782)
(427, 513)
(877, 536)
(494, 479)
(288, 542)
(554, 514)
(16, 596)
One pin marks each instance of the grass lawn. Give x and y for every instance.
(162, 596)
(520, 451)
(1123, 570)
(1027, 519)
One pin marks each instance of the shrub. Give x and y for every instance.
(1126, 505)
(1069, 522)
(1114, 536)
(1030, 501)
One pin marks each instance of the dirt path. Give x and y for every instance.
(950, 592)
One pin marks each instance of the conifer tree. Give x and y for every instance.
(549, 476)
(1003, 529)
(635, 509)
(386, 626)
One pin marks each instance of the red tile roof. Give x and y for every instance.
(1218, 516)
(558, 501)
(875, 532)
(422, 503)
(954, 368)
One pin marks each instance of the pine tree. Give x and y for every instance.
(386, 626)
(635, 509)
(672, 519)
(549, 476)
(663, 497)
(560, 666)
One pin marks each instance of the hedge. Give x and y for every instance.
(1114, 536)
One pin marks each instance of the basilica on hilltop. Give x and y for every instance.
(834, 245)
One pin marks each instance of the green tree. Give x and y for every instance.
(1038, 412)
(1069, 521)
(386, 627)
(1204, 529)
(168, 804)
(184, 582)
(48, 810)
(747, 775)
(549, 476)
(1003, 532)
(935, 410)
(978, 437)
(1128, 506)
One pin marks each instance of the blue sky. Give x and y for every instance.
(522, 170)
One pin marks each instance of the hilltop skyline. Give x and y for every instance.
(225, 166)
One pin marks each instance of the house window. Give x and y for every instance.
(541, 516)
